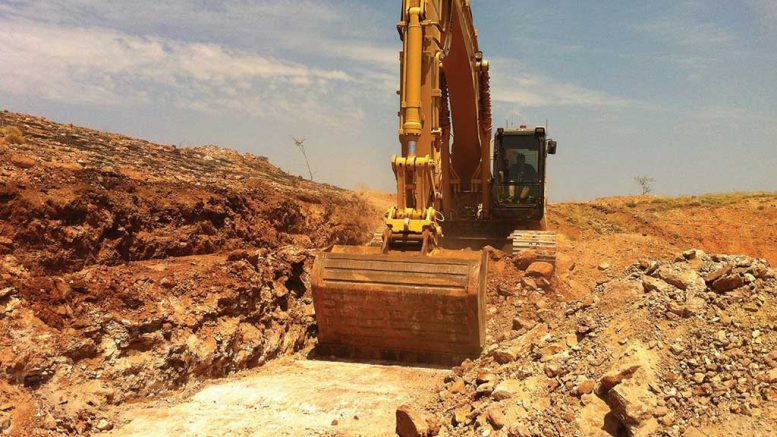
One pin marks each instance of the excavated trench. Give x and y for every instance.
(129, 270)
(107, 335)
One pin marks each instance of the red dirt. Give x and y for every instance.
(130, 269)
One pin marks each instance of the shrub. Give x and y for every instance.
(12, 135)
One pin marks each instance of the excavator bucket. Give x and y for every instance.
(400, 306)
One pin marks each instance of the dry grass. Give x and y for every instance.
(663, 203)
(720, 199)
(12, 135)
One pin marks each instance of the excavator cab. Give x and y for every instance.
(519, 173)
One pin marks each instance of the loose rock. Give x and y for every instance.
(540, 270)
(410, 422)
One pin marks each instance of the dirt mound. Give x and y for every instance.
(128, 269)
(72, 197)
(606, 235)
(667, 347)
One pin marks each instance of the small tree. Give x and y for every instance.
(299, 142)
(646, 183)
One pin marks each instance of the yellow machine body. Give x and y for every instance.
(408, 299)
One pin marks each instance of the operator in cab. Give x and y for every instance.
(520, 171)
(519, 177)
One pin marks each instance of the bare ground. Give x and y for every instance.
(291, 398)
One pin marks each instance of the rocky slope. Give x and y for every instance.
(128, 269)
(685, 346)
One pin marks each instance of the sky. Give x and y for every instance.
(681, 91)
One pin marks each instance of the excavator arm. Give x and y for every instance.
(444, 90)
(410, 300)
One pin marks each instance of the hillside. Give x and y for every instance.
(129, 268)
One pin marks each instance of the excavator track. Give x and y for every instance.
(400, 306)
(543, 243)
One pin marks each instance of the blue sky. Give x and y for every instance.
(683, 91)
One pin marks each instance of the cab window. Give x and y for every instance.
(519, 170)
(521, 158)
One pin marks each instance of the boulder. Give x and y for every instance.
(728, 283)
(717, 274)
(461, 415)
(540, 269)
(585, 387)
(552, 369)
(410, 422)
(650, 283)
(519, 431)
(677, 308)
(6, 293)
(22, 160)
(104, 425)
(660, 411)
(521, 323)
(696, 305)
(506, 289)
(485, 389)
(506, 389)
(585, 325)
(457, 386)
(677, 348)
(525, 258)
(693, 306)
(632, 403)
(615, 377)
(695, 254)
(771, 359)
(496, 418)
(5, 423)
(684, 279)
(485, 377)
(504, 355)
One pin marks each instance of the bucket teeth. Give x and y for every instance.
(400, 306)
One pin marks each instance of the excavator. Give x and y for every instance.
(417, 294)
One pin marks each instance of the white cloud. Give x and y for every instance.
(685, 31)
(536, 91)
(104, 67)
(682, 38)
(315, 27)
(730, 117)
(512, 84)
(272, 59)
